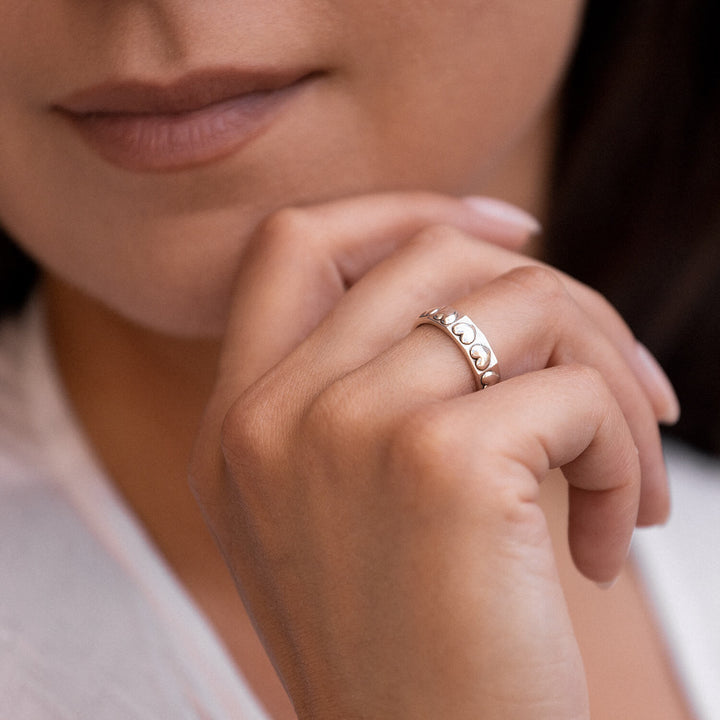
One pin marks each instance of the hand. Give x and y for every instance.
(379, 517)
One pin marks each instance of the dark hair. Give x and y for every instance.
(634, 207)
(17, 276)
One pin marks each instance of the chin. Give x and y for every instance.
(180, 307)
(190, 315)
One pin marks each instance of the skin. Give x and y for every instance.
(450, 569)
(345, 136)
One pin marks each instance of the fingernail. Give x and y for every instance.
(510, 216)
(669, 413)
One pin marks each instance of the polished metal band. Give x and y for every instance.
(468, 336)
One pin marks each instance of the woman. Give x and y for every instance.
(238, 211)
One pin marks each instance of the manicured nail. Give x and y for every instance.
(669, 412)
(511, 216)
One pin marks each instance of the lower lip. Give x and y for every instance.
(175, 141)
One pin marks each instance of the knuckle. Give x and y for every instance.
(285, 223)
(337, 422)
(280, 233)
(589, 377)
(247, 437)
(437, 476)
(543, 284)
(325, 414)
(588, 382)
(419, 444)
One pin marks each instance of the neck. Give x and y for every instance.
(139, 397)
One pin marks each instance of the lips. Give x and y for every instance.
(200, 118)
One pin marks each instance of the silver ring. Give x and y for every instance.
(470, 339)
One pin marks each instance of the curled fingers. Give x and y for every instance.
(533, 323)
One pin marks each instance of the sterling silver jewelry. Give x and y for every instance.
(470, 339)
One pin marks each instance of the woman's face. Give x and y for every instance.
(145, 197)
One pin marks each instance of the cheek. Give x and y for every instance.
(451, 88)
(425, 95)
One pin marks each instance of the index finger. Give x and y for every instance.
(303, 259)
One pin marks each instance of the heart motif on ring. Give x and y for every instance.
(481, 355)
(465, 332)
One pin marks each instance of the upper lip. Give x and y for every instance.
(193, 91)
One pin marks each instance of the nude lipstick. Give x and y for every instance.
(201, 117)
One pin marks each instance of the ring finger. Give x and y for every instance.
(532, 323)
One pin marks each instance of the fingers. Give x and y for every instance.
(441, 264)
(489, 449)
(532, 322)
(302, 260)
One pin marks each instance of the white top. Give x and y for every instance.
(93, 625)
(680, 565)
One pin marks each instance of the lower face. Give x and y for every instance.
(146, 203)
